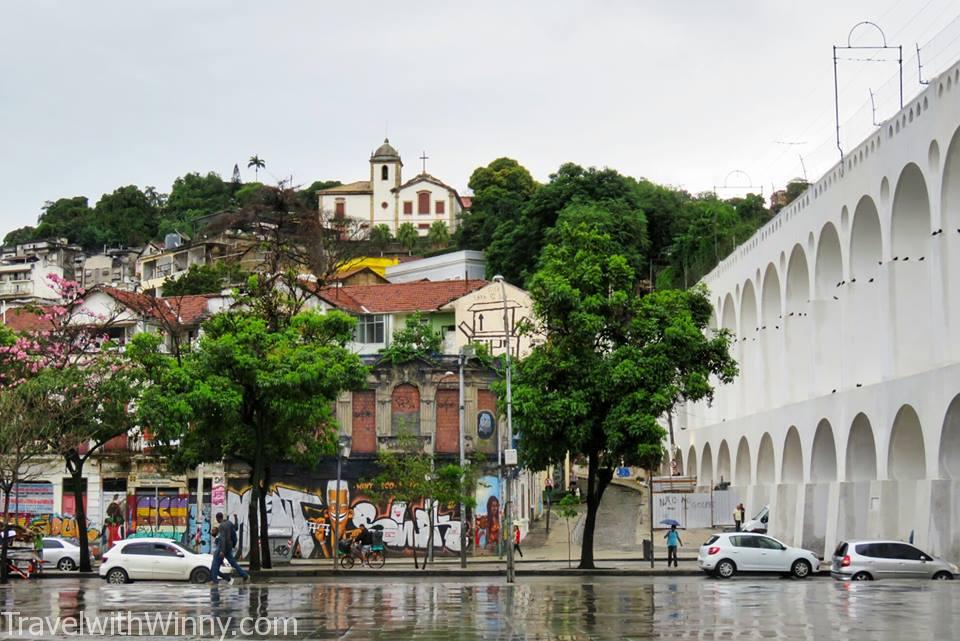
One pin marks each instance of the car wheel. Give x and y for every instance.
(801, 569)
(117, 576)
(861, 576)
(943, 576)
(200, 575)
(66, 564)
(726, 569)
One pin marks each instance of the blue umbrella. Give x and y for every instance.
(670, 522)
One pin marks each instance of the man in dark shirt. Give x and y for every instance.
(226, 540)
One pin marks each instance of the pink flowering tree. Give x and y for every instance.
(79, 383)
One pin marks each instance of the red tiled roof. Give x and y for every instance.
(190, 310)
(467, 201)
(425, 296)
(26, 319)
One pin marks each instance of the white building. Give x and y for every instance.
(466, 264)
(845, 309)
(385, 199)
(25, 270)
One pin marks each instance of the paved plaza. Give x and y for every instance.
(571, 608)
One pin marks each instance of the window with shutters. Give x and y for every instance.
(440, 207)
(340, 208)
(408, 207)
(423, 202)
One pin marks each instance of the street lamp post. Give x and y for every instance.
(465, 352)
(509, 473)
(343, 449)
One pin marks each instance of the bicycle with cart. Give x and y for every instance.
(352, 552)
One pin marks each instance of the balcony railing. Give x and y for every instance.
(16, 288)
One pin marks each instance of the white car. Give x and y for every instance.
(724, 555)
(154, 559)
(60, 553)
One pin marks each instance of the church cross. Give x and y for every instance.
(424, 158)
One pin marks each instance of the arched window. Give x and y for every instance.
(384, 173)
(423, 202)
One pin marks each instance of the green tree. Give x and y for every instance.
(69, 218)
(438, 234)
(128, 216)
(23, 444)
(257, 163)
(417, 339)
(380, 237)
(500, 190)
(252, 393)
(516, 247)
(205, 279)
(407, 236)
(19, 235)
(567, 510)
(194, 195)
(614, 362)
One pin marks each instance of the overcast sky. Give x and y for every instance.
(95, 95)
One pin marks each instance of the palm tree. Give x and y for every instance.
(380, 237)
(257, 163)
(438, 234)
(408, 236)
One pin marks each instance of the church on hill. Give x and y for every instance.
(385, 199)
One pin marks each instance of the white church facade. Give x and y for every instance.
(385, 199)
(845, 313)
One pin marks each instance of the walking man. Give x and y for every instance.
(673, 540)
(226, 541)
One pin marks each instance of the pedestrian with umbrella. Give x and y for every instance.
(673, 541)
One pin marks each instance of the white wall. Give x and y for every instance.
(847, 304)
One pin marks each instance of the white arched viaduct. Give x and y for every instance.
(845, 315)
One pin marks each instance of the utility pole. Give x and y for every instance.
(510, 453)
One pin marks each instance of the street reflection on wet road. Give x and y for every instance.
(569, 608)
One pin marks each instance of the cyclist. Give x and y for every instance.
(366, 544)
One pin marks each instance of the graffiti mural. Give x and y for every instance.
(310, 516)
(487, 517)
(60, 525)
(152, 515)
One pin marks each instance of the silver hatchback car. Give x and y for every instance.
(870, 560)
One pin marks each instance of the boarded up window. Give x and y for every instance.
(423, 202)
(405, 409)
(440, 207)
(448, 421)
(364, 422)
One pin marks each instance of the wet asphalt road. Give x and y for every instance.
(570, 608)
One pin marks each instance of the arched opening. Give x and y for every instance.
(829, 266)
(691, 469)
(384, 173)
(792, 469)
(866, 240)
(798, 281)
(770, 308)
(906, 456)
(823, 458)
(766, 466)
(910, 305)
(723, 462)
(706, 467)
(405, 410)
(729, 315)
(827, 338)
(742, 472)
(750, 368)
(950, 211)
(748, 312)
(910, 225)
(797, 325)
(861, 450)
(864, 324)
(677, 470)
(950, 442)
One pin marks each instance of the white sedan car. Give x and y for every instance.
(724, 555)
(154, 559)
(60, 553)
